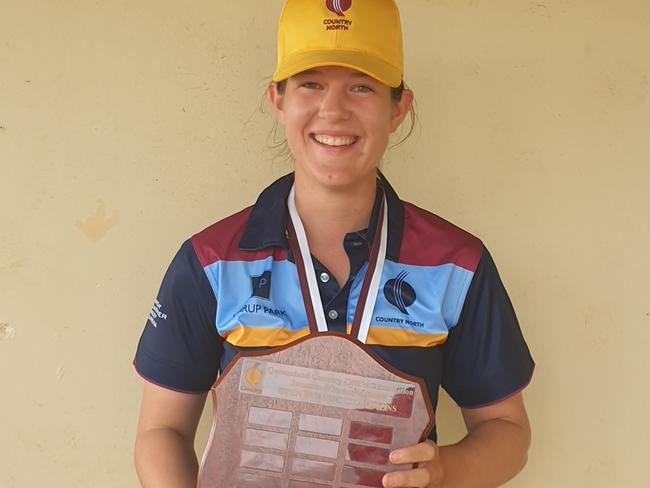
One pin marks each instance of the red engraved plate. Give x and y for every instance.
(323, 411)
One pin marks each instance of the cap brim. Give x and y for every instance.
(360, 61)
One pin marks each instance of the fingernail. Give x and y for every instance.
(386, 480)
(394, 456)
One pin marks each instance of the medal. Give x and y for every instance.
(307, 275)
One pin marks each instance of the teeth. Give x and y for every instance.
(335, 141)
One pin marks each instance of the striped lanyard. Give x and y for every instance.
(307, 275)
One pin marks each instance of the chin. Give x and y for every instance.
(342, 178)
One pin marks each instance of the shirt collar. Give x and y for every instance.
(267, 222)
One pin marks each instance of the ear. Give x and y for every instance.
(401, 109)
(276, 100)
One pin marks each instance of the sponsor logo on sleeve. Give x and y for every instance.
(156, 314)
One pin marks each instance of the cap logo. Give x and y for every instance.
(339, 6)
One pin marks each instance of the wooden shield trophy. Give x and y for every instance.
(322, 412)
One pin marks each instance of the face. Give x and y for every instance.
(337, 123)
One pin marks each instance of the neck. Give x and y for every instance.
(328, 214)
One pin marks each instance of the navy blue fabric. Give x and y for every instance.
(486, 357)
(267, 223)
(183, 350)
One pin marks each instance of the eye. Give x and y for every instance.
(362, 89)
(312, 85)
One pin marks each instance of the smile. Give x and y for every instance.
(335, 141)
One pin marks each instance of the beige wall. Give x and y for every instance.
(534, 135)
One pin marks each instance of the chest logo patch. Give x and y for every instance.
(262, 285)
(399, 292)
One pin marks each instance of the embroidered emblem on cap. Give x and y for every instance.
(339, 6)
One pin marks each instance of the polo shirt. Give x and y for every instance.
(442, 313)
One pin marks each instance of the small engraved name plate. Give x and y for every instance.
(321, 412)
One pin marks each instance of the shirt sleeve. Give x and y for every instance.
(486, 358)
(179, 348)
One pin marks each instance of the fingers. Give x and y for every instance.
(427, 475)
(412, 478)
(420, 453)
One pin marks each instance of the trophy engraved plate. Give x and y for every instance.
(321, 412)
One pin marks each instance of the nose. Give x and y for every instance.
(333, 105)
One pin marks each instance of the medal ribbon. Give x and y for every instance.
(307, 275)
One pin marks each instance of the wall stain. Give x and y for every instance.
(542, 10)
(7, 332)
(60, 373)
(97, 226)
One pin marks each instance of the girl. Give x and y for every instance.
(441, 312)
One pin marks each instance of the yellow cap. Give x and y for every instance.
(364, 35)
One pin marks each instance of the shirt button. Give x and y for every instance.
(324, 277)
(333, 314)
